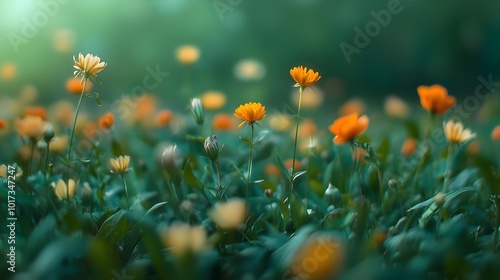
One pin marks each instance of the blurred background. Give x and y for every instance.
(363, 49)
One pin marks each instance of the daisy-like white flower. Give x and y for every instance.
(455, 132)
(88, 66)
(120, 164)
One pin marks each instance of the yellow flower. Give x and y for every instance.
(455, 132)
(88, 66)
(183, 238)
(31, 127)
(250, 112)
(59, 144)
(304, 77)
(396, 107)
(120, 164)
(230, 214)
(349, 127)
(188, 54)
(4, 172)
(435, 99)
(62, 190)
(213, 100)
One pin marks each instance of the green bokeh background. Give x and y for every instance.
(446, 42)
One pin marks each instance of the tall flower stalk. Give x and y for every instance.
(120, 166)
(87, 68)
(304, 78)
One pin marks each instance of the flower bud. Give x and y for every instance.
(48, 133)
(393, 183)
(268, 192)
(211, 147)
(87, 195)
(333, 196)
(197, 111)
(439, 199)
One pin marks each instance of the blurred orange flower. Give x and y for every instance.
(8, 71)
(307, 128)
(75, 85)
(409, 147)
(288, 164)
(213, 100)
(146, 107)
(107, 121)
(223, 122)
(349, 127)
(3, 124)
(353, 106)
(31, 127)
(59, 144)
(435, 98)
(250, 112)
(495, 133)
(164, 117)
(35, 111)
(188, 54)
(304, 77)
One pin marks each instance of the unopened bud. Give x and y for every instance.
(87, 195)
(48, 133)
(268, 192)
(439, 199)
(333, 196)
(392, 183)
(197, 111)
(211, 147)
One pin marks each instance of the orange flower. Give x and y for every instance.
(75, 85)
(304, 77)
(35, 111)
(495, 133)
(213, 100)
(353, 106)
(8, 71)
(409, 147)
(288, 163)
(223, 122)
(164, 117)
(107, 121)
(435, 98)
(31, 126)
(187, 54)
(349, 127)
(250, 112)
(146, 107)
(3, 124)
(307, 128)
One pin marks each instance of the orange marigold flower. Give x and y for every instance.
(495, 133)
(349, 127)
(107, 121)
(409, 147)
(31, 126)
(75, 85)
(304, 77)
(164, 117)
(35, 111)
(223, 122)
(250, 112)
(3, 124)
(435, 99)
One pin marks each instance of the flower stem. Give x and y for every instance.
(301, 90)
(249, 173)
(74, 124)
(126, 192)
(47, 161)
(424, 153)
(447, 171)
(219, 185)
(33, 143)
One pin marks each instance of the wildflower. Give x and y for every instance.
(107, 121)
(59, 144)
(8, 71)
(280, 122)
(87, 194)
(250, 112)
(395, 107)
(327, 253)
(435, 99)
(183, 238)
(288, 164)
(88, 66)
(197, 111)
(211, 147)
(188, 54)
(120, 164)
(169, 157)
(455, 132)
(31, 127)
(223, 122)
(74, 85)
(35, 111)
(146, 107)
(311, 97)
(4, 172)
(164, 117)
(48, 133)
(3, 124)
(63, 190)
(62, 111)
(409, 147)
(229, 215)
(64, 40)
(213, 100)
(348, 127)
(353, 106)
(304, 77)
(495, 133)
(307, 128)
(249, 69)
(333, 196)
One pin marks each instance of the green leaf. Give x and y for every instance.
(282, 167)
(211, 196)
(383, 149)
(246, 141)
(114, 229)
(298, 210)
(261, 136)
(116, 148)
(284, 211)
(298, 174)
(97, 99)
(191, 180)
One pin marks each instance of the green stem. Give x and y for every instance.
(301, 90)
(249, 173)
(74, 124)
(496, 201)
(33, 143)
(447, 171)
(219, 184)
(126, 191)
(47, 161)
(425, 151)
